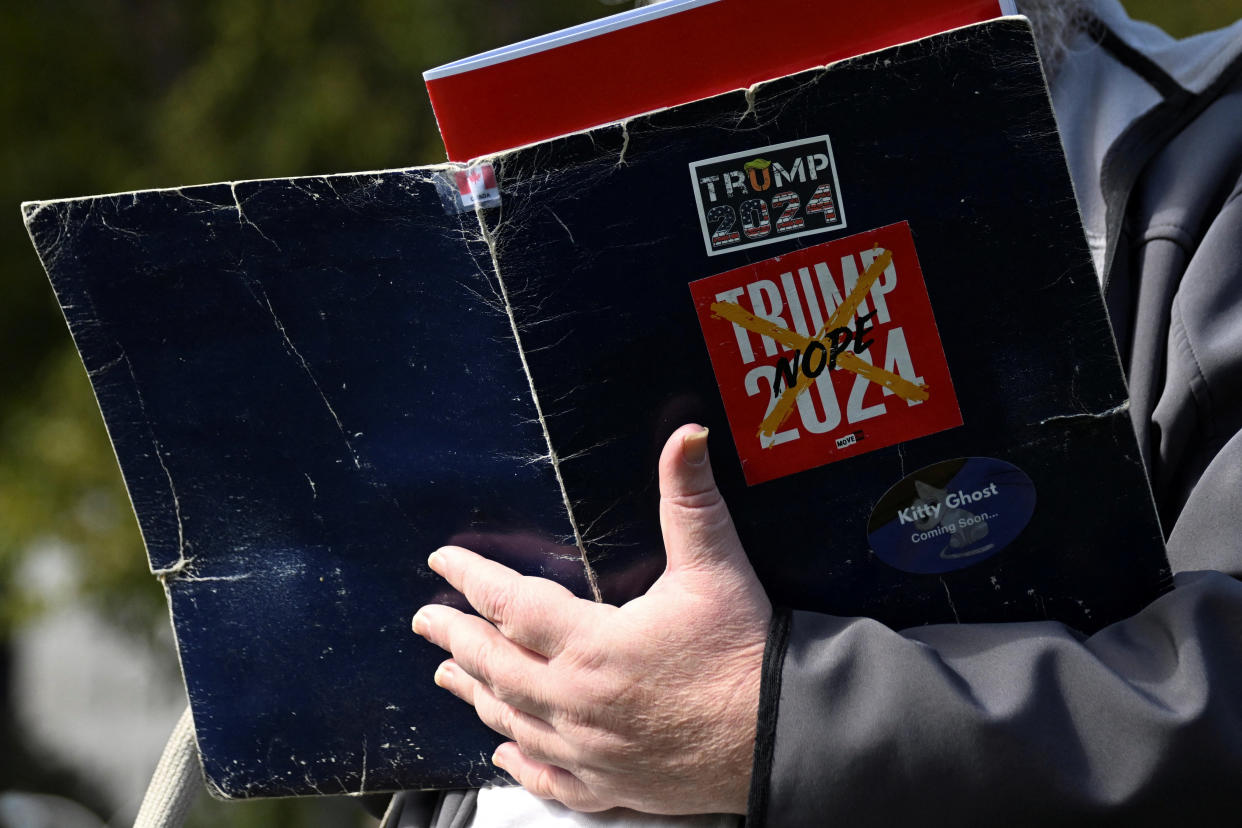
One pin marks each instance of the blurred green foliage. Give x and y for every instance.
(1182, 18)
(113, 95)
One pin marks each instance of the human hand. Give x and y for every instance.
(651, 705)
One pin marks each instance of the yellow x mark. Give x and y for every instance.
(847, 360)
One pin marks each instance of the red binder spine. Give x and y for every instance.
(568, 84)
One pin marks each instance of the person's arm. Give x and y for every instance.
(1017, 724)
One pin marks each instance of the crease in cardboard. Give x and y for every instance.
(489, 238)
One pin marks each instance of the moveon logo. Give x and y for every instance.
(767, 195)
(849, 439)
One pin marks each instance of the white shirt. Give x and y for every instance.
(515, 808)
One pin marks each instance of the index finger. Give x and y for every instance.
(534, 612)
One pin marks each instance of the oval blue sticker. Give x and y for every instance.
(951, 515)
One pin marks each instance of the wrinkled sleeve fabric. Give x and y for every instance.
(1198, 418)
(1026, 724)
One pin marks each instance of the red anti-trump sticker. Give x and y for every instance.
(826, 353)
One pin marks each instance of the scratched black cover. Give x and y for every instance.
(955, 135)
(311, 383)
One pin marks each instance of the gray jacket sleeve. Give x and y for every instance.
(1013, 724)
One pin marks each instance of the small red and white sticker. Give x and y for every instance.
(826, 353)
(476, 186)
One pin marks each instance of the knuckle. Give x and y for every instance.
(495, 603)
(586, 714)
(584, 657)
(697, 499)
(495, 714)
(704, 525)
(482, 659)
(604, 693)
(506, 717)
(553, 782)
(542, 782)
(536, 749)
(508, 691)
(579, 798)
(573, 717)
(600, 745)
(589, 746)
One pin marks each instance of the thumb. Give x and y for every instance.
(698, 531)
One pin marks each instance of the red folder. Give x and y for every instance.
(661, 55)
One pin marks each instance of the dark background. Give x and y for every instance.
(111, 96)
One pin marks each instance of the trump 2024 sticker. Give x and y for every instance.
(767, 195)
(826, 353)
